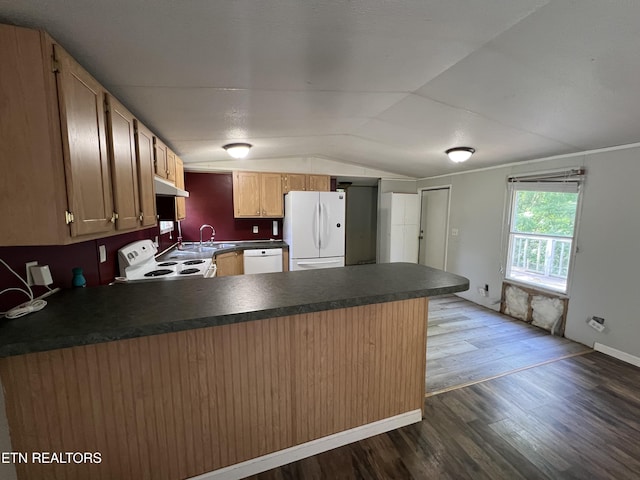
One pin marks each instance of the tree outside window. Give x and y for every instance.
(541, 236)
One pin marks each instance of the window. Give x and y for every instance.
(542, 228)
(166, 226)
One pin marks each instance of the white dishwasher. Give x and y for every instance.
(263, 260)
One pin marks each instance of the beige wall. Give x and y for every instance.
(604, 281)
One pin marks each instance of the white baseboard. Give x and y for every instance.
(619, 354)
(292, 454)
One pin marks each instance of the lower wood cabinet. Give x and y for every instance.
(231, 263)
(285, 259)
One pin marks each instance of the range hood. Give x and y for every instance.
(168, 189)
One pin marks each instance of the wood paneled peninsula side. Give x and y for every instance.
(220, 377)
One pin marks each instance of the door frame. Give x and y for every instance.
(446, 239)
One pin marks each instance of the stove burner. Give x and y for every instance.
(167, 264)
(193, 262)
(189, 271)
(158, 273)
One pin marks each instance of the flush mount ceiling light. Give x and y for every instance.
(238, 150)
(460, 154)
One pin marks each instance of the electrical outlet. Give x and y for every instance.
(255, 229)
(29, 277)
(596, 326)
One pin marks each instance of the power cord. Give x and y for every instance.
(32, 305)
(25, 308)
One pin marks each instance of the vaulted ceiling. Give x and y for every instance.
(385, 84)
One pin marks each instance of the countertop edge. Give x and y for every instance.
(43, 345)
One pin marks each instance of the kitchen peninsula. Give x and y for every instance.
(234, 375)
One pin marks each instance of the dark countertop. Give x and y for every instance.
(191, 252)
(101, 314)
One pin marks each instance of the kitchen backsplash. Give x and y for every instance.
(61, 259)
(211, 202)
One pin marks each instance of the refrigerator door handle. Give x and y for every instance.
(316, 226)
(320, 225)
(327, 262)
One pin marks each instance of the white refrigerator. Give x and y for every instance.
(314, 229)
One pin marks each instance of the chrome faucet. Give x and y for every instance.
(213, 232)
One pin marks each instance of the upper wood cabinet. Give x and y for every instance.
(145, 162)
(181, 205)
(257, 195)
(271, 201)
(319, 183)
(302, 182)
(294, 182)
(171, 166)
(58, 181)
(160, 156)
(124, 168)
(246, 194)
(56, 184)
(82, 102)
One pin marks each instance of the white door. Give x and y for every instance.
(411, 209)
(300, 229)
(434, 219)
(332, 231)
(410, 251)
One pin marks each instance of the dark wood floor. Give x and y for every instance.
(577, 418)
(505, 401)
(467, 343)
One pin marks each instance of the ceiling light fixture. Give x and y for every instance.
(238, 150)
(460, 154)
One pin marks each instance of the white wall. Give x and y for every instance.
(605, 272)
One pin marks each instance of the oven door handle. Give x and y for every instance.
(211, 271)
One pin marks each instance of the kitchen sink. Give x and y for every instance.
(194, 250)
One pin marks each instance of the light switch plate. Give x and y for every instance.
(103, 253)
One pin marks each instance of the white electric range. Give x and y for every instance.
(137, 262)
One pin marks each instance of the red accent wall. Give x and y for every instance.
(211, 201)
(61, 259)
